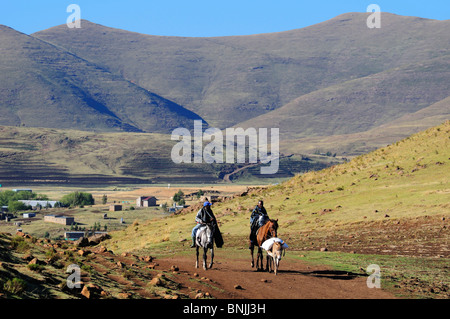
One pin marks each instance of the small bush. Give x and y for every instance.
(19, 244)
(15, 286)
(36, 267)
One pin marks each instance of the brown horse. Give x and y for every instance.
(268, 230)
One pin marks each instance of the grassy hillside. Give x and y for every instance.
(389, 207)
(71, 157)
(383, 202)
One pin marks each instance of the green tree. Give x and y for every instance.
(200, 193)
(15, 206)
(177, 196)
(77, 199)
(104, 199)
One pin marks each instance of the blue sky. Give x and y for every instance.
(203, 17)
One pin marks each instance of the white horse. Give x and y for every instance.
(205, 238)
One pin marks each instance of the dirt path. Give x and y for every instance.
(295, 280)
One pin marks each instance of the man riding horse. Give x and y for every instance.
(206, 216)
(258, 218)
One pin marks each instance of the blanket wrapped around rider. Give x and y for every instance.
(258, 218)
(206, 216)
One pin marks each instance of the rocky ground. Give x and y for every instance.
(37, 268)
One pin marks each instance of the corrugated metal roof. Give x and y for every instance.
(43, 203)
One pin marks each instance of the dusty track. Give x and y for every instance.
(296, 280)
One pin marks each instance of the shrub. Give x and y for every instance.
(15, 206)
(179, 198)
(15, 286)
(77, 199)
(19, 244)
(36, 267)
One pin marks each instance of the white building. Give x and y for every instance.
(42, 203)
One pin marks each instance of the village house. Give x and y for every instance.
(63, 220)
(146, 201)
(75, 235)
(115, 208)
(40, 203)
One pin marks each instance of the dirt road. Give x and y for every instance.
(295, 280)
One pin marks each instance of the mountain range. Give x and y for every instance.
(328, 74)
(335, 86)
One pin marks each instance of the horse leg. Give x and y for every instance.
(212, 257)
(259, 260)
(269, 263)
(196, 263)
(205, 249)
(251, 253)
(275, 262)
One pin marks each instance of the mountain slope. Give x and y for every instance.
(362, 104)
(74, 157)
(362, 142)
(384, 196)
(44, 86)
(228, 80)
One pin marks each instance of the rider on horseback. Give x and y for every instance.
(204, 216)
(257, 219)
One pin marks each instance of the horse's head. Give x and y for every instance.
(273, 227)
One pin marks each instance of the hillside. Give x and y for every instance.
(336, 87)
(359, 143)
(228, 80)
(362, 104)
(389, 207)
(35, 268)
(72, 157)
(45, 86)
(391, 201)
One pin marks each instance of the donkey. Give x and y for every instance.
(275, 252)
(205, 239)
